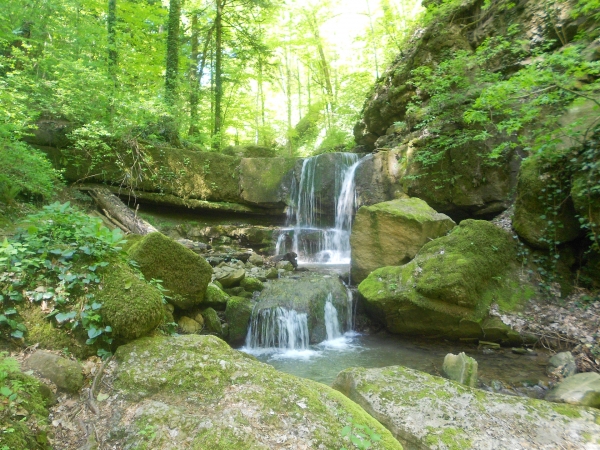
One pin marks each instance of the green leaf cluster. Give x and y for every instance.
(54, 262)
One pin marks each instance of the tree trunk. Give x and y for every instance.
(119, 213)
(218, 73)
(194, 77)
(172, 65)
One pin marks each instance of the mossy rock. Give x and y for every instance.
(251, 284)
(196, 392)
(448, 288)
(391, 233)
(428, 412)
(237, 315)
(266, 181)
(124, 296)
(185, 274)
(212, 322)
(47, 335)
(188, 325)
(532, 215)
(215, 297)
(25, 424)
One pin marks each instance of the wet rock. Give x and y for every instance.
(272, 274)
(66, 374)
(197, 392)
(212, 322)
(391, 234)
(427, 412)
(460, 368)
(230, 277)
(237, 315)
(266, 181)
(562, 364)
(188, 325)
(285, 265)
(580, 389)
(184, 273)
(256, 260)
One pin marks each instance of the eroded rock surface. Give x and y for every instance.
(429, 413)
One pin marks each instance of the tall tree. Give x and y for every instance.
(218, 73)
(172, 63)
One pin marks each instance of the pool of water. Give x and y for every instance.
(324, 361)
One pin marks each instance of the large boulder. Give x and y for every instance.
(580, 389)
(448, 287)
(539, 196)
(266, 181)
(391, 234)
(306, 294)
(427, 412)
(196, 392)
(184, 273)
(125, 296)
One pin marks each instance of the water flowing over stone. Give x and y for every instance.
(325, 190)
(332, 323)
(278, 328)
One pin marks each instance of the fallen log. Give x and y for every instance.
(118, 213)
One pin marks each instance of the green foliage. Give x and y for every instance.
(55, 263)
(23, 416)
(361, 436)
(25, 172)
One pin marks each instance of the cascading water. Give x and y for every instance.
(332, 324)
(278, 328)
(304, 234)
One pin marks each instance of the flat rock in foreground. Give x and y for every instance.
(195, 392)
(427, 412)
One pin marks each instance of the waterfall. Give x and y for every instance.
(278, 328)
(304, 233)
(332, 324)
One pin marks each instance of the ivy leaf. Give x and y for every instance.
(94, 332)
(63, 317)
(18, 334)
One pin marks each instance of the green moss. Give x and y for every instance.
(215, 297)
(185, 274)
(237, 314)
(452, 438)
(252, 284)
(409, 208)
(125, 296)
(43, 332)
(212, 323)
(24, 419)
(566, 410)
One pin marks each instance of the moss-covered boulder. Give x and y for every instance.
(187, 325)
(229, 277)
(215, 297)
(448, 287)
(237, 315)
(131, 306)
(196, 392)
(308, 293)
(391, 233)
(266, 181)
(24, 415)
(184, 273)
(212, 323)
(251, 284)
(539, 196)
(427, 412)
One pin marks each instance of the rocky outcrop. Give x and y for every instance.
(185, 274)
(391, 234)
(238, 313)
(425, 412)
(266, 181)
(196, 392)
(539, 197)
(448, 287)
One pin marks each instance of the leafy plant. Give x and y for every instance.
(54, 263)
(361, 436)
